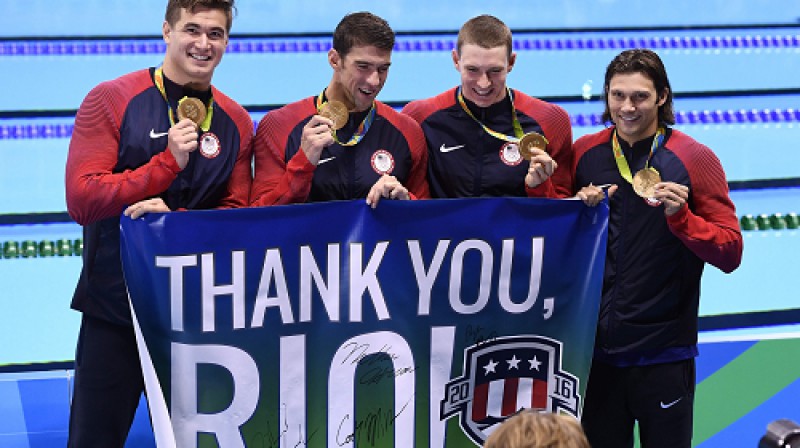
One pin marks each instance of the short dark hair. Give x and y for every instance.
(174, 7)
(362, 29)
(647, 63)
(485, 31)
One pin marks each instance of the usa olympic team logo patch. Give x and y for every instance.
(209, 145)
(510, 154)
(382, 162)
(652, 202)
(505, 375)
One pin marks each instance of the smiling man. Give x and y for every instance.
(670, 213)
(476, 132)
(342, 143)
(154, 140)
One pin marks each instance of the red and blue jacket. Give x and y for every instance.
(392, 145)
(118, 156)
(651, 286)
(466, 161)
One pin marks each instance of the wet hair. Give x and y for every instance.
(362, 29)
(174, 8)
(533, 429)
(485, 31)
(647, 63)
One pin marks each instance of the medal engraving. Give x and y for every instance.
(644, 182)
(335, 111)
(193, 109)
(529, 142)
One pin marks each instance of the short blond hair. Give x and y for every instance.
(485, 31)
(532, 429)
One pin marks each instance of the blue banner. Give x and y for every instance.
(415, 324)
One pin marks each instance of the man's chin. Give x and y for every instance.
(364, 103)
(483, 100)
(201, 76)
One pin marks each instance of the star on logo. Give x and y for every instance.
(489, 367)
(513, 363)
(535, 363)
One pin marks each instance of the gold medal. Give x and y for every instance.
(191, 108)
(335, 111)
(644, 182)
(529, 142)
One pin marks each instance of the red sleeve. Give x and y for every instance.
(276, 182)
(557, 128)
(241, 179)
(419, 110)
(543, 190)
(710, 228)
(414, 110)
(580, 147)
(417, 184)
(93, 191)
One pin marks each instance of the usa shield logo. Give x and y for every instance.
(505, 375)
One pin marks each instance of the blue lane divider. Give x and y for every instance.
(34, 131)
(729, 116)
(665, 42)
(320, 45)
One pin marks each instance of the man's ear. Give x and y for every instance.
(456, 59)
(511, 60)
(165, 31)
(663, 98)
(334, 59)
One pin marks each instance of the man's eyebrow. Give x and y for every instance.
(363, 62)
(197, 25)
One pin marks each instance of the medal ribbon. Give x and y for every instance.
(517, 127)
(158, 76)
(622, 163)
(362, 128)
